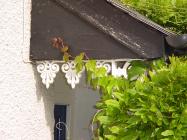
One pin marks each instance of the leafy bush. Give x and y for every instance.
(152, 107)
(169, 13)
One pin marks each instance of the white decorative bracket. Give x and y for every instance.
(48, 70)
(71, 74)
(104, 64)
(118, 72)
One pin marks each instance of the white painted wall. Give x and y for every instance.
(26, 107)
(22, 114)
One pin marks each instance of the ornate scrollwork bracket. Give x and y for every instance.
(118, 72)
(71, 74)
(112, 68)
(104, 64)
(47, 72)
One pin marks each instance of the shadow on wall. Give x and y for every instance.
(81, 101)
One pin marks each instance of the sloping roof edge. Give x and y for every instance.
(140, 17)
(96, 24)
(136, 48)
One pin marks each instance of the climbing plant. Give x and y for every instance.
(152, 107)
(151, 104)
(168, 13)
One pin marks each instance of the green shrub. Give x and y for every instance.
(172, 14)
(152, 107)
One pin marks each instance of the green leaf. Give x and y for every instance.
(104, 119)
(167, 133)
(134, 120)
(103, 81)
(79, 58)
(115, 129)
(137, 68)
(100, 105)
(91, 65)
(155, 131)
(79, 67)
(66, 57)
(184, 115)
(119, 96)
(112, 103)
(100, 72)
(110, 137)
(130, 136)
(100, 138)
(153, 108)
(79, 62)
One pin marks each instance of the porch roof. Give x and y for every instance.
(103, 29)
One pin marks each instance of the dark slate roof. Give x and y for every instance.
(123, 28)
(124, 33)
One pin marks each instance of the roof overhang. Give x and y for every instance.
(105, 31)
(99, 28)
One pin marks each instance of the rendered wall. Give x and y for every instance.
(22, 114)
(26, 107)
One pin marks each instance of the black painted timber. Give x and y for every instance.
(96, 27)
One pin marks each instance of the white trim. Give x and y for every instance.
(48, 72)
(26, 30)
(49, 69)
(71, 74)
(105, 60)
